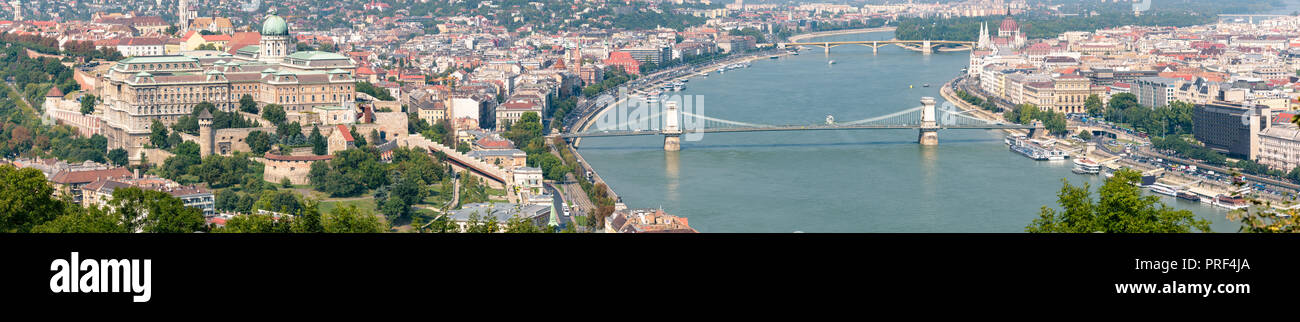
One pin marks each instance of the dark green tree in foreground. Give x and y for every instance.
(318, 143)
(273, 113)
(87, 104)
(1094, 105)
(1121, 209)
(247, 104)
(118, 157)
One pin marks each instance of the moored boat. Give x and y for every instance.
(1164, 189)
(1186, 195)
(1230, 202)
(1086, 166)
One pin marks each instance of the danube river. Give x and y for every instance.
(837, 181)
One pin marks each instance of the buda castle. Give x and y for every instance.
(138, 90)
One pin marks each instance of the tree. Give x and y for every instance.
(1119, 103)
(281, 201)
(92, 220)
(259, 142)
(520, 225)
(288, 130)
(254, 223)
(158, 135)
(1085, 135)
(309, 219)
(87, 104)
(1121, 209)
(443, 224)
(1094, 106)
(318, 144)
(174, 140)
(247, 104)
(118, 157)
(285, 183)
(154, 211)
(26, 199)
(273, 113)
(349, 219)
(357, 139)
(479, 224)
(376, 92)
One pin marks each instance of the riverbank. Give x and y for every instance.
(949, 95)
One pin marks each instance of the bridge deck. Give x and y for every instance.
(798, 128)
(876, 42)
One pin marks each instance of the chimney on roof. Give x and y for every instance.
(137, 173)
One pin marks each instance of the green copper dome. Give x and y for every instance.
(274, 25)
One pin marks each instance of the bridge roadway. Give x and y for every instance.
(926, 46)
(875, 42)
(797, 128)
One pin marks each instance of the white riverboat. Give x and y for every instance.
(1230, 202)
(1035, 150)
(1164, 189)
(1086, 166)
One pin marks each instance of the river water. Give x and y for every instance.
(838, 181)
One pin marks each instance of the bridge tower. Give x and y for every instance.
(827, 46)
(925, 49)
(1039, 131)
(929, 123)
(672, 129)
(875, 46)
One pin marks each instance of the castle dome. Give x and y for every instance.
(274, 25)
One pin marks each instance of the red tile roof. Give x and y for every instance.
(216, 38)
(277, 157)
(347, 135)
(73, 177)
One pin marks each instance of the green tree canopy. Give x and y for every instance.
(1121, 209)
(87, 104)
(26, 199)
(247, 104)
(273, 113)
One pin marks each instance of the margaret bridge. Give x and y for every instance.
(924, 46)
(673, 123)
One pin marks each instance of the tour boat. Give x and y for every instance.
(773, 57)
(1164, 189)
(1085, 166)
(1230, 202)
(1186, 195)
(678, 87)
(830, 119)
(1034, 151)
(926, 85)
(830, 62)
